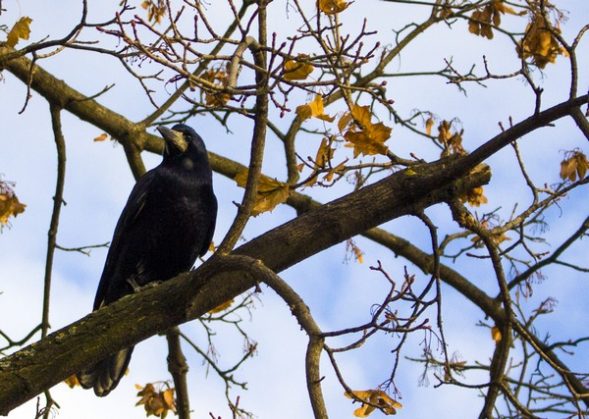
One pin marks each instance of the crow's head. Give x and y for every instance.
(181, 139)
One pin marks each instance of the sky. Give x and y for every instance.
(339, 292)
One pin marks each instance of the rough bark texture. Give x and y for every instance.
(154, 310)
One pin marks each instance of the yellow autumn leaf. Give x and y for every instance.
(155, 12)
(482, 21)
(344, 121)
(574, 166)
(539, 42)
(219, 78)
(474, 25)
(582, 165)
(315, 109)
(10, 206)
(475, 197)
(337, 170)
(297, 69)
(304, 111)
(72, 381)
(568, 170)
(157, 403)
(221, 307)
(270, 192)
(324, 154)
(331, 7)
(363, 144)
(101, 137)
(20, 30)
(365, 137)
(500, 6)
(168, 397)
(322, 158)
(444, 133)
(455, 144)
(479, 22)
(361, 115)
(429, 123)
(356, 251)
(371, 399)
(496, 334)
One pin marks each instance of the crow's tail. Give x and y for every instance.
(106, 374)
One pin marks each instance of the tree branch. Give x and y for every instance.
(178, 368)
(43, 364)
(52, 233)
(303, 315)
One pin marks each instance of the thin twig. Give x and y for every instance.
(178, 367)
(52, 233)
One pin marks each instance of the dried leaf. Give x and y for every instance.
(429, 123)
(144, 392)
(337, 170)
(455, 144)
(574, 167)
(379, 398)
(357, 252)
(297, 69)
(331, 7)
(168, 397)
(221, 307)
(482, 21)
(568, 170)
(10, 206)
(500, 6)
(304, 111)
(344, 121)
(475, 197)
(315, 109)
(157, 403)
(155, 12)
(582, 165)
(496, 334)
(444, 133)
(20, 30)
(365, 137)
(270, 192)
(72, 381)
(324, 154)
(539, 42)
(101, 137)
(219, 78)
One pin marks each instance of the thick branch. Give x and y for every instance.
(43, 364)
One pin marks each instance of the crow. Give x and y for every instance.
(168, 221)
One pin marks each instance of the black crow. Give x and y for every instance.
(166, 224)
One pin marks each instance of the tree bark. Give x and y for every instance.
(41, 365)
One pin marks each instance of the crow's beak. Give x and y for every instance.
(175, 138)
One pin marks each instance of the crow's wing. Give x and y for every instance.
(129, 216)
(212, 217)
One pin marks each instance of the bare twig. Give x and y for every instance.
(178, 368)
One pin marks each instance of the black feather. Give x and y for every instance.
(168, 221)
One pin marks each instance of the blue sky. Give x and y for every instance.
(339, 293)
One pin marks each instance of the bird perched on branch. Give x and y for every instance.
(167, 223)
